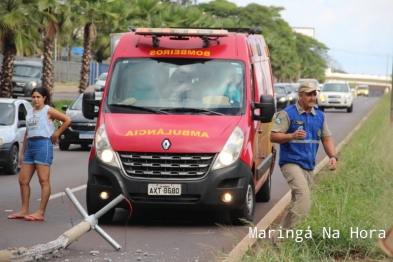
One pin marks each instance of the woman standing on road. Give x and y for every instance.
(37, 151)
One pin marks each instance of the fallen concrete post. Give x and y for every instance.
(90, 222)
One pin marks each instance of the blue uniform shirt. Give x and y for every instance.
(303, 151)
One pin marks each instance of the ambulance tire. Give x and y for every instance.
(248, 209)
(106, 218)
(263, 194)
(321, 108)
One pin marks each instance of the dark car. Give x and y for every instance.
(282, 96)
(81, 130)
(292, 93)
(26, 76)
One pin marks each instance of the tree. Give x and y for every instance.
(279, 38)
(47, 13)
(17, 32)
(311, 52)
(116, 21)
(88, 10)
(220, 8)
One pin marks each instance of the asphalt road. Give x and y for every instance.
(149, 236)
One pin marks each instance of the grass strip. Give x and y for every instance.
(351, 207)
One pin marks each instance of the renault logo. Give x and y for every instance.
(166, 144)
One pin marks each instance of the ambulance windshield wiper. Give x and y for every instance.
(141, 108)
(187, 109)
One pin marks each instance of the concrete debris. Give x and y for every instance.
(94, 253)
(138, 251)
(146, 254)
(138, 259)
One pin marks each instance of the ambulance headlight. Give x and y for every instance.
(104, 150)
(231, 151)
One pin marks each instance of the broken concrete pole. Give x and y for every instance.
(90, 222)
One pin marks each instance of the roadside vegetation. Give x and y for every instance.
(355, 202)
(58, 104)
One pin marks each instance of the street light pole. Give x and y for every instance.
(391, 93)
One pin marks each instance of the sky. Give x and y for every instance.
(359, 33)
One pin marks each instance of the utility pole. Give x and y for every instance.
(391, 93)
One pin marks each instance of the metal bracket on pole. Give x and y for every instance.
(93, 219)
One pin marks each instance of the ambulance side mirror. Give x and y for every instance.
(266, 108)
(89, 103)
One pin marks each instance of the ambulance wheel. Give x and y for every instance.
(247, 211)
(263, 194)
(106, 218)
(321, 108)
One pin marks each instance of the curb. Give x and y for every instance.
(246, 243)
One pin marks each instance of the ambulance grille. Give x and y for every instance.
(166, 165)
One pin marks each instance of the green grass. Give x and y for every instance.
(358, 194)
(58, 104)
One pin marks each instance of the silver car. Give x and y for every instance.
(100, 82)
(12, 132)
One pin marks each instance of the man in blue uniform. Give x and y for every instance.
(298, 129)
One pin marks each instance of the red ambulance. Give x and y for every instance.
(184, 122)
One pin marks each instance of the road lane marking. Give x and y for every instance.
(62, 193)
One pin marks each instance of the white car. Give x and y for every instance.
(100, 82)
(336, 95)
(12, 132)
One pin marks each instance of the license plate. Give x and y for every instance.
(334, 100)
(18, 89)
(89, 135)
(164, 189)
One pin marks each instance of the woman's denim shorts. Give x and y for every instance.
(38, 151)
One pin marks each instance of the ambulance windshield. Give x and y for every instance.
(193, 85)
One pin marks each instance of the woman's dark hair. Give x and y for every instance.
(44, 92)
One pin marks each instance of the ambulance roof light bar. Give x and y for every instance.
(182, 34)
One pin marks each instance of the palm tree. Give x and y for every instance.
(50, 10)
(17, 33)
(88, 10)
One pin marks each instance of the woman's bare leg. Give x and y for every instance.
(25, 175)
(43, 172)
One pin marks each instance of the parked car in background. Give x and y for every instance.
(362, 90)
(27, 75)
(336, 95)
(100, 83)
(81, 130)
(12, 132)
(282, 96)
(291, 93)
